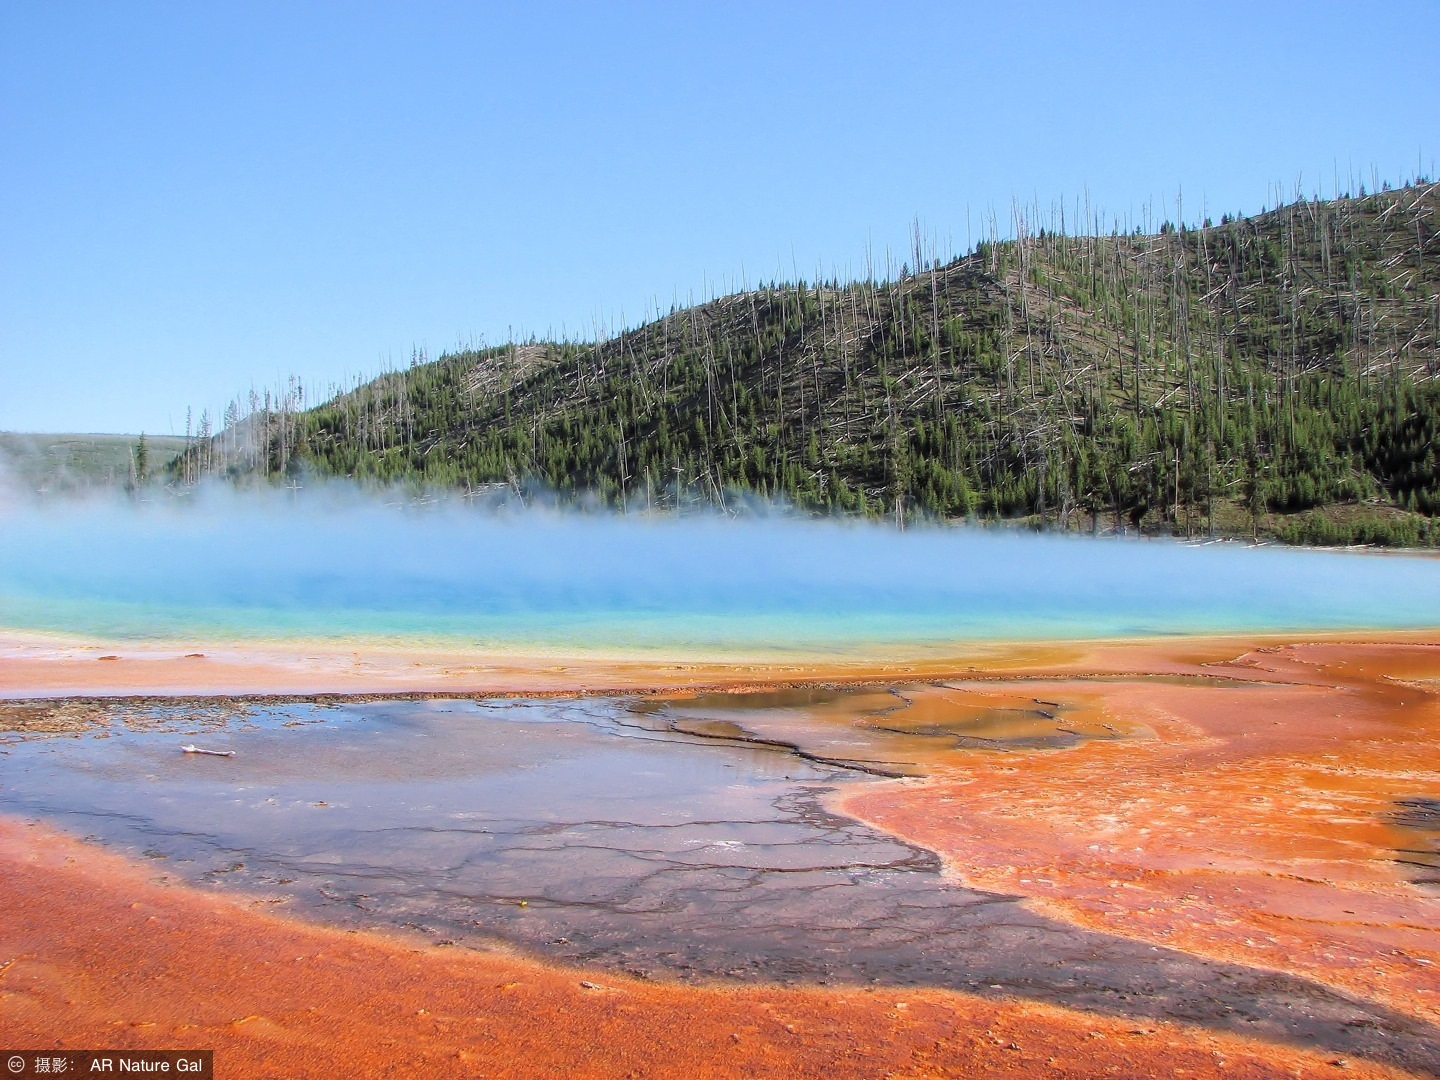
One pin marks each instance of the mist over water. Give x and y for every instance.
(338, 567)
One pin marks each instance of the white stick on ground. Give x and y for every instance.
(212, 753)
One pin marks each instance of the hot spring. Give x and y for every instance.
(725, 832)
(333, 568)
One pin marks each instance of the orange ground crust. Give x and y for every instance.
(94, 953)
(34, 665)
(1252, 828)
(52, 665)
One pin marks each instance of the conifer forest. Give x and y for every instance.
(1264, 376)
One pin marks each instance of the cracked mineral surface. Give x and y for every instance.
(689, 837)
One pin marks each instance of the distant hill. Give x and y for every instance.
(73, 462)
(1268, 375)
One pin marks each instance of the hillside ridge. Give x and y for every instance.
(1267, 375)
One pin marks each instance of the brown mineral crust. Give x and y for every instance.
(1252, 828)
(34, 665)
(95, 953)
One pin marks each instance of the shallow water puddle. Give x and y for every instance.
(653, 837)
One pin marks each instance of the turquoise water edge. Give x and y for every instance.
(353, 572)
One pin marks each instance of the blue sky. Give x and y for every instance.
(201, 198)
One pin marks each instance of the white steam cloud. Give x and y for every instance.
(332, 563)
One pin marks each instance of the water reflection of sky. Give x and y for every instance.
(581, 831)
(263, 568)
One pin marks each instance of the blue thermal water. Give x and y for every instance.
(340, 570)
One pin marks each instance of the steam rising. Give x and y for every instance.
(336, 566)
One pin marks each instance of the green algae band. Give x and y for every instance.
(256, 568)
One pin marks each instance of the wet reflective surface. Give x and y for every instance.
(678, 838)
(1420, 818)
(905, 730)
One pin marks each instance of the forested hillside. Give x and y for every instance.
(65, 464)
(1274, 375)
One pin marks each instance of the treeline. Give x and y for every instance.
(1271, 375)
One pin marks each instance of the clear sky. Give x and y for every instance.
(200, 197)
